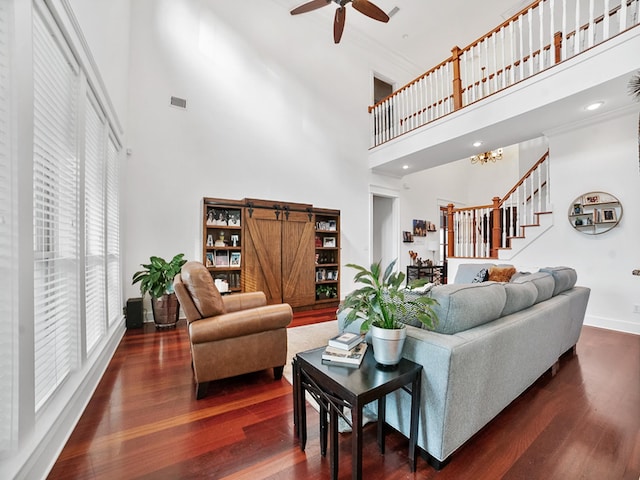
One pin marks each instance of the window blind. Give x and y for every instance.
(8, 268)
(114, 288)
(55, 209)
(94, 224)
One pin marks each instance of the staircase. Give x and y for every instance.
(505, 227)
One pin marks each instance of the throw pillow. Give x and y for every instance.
(501, 274)
(481, 276)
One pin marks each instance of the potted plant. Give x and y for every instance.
(379, 303)
(157, 280)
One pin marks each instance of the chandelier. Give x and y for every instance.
(487, 157)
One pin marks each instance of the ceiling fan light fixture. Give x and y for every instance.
(363, 6)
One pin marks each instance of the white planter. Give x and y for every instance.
(387, 344)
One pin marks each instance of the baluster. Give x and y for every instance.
(539, 174)
(563, 43)
(552, 21)
(503, 77)
(541, 28)
(576, 39)
(373, 114)
(473, 75)
(430, 103)
(530, 21)
(386, 120)
(591, 30)
(605, 31)
(623, 15)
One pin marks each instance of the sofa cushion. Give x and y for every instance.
(465, 306)
(501, 273)
(564, 277)
(544, 283)
(468, 271)
(519, 297)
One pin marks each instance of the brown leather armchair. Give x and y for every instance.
(233, 334)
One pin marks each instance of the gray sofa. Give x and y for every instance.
(493, 341)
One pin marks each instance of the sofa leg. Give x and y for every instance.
(433, 461)
(554, 368)
(277, 372)
(201, 390)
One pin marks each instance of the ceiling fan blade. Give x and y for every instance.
(370, 10)
(338, 24)
(309, 6)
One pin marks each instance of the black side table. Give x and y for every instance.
(335, 387)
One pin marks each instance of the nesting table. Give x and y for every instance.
(335, 387)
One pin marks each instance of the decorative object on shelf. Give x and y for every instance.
(329, 242)
(487, 157)
(220, 241)
(431, 227)
(415, 260)
(420, 228)
(379, 302)
(594, 213)
(235, 240)
(157, 280)
(407, 237)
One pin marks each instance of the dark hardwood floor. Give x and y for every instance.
(144, 422)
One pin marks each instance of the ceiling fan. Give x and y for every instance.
(363, 6)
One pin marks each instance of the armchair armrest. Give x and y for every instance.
(238, 324)
(244, 301)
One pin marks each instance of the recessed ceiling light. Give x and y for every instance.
(477, 144)
(405, 167)
(594, 106)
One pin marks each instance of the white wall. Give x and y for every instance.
(105, 26)
(599, 156)
(271, 113)
(460, 183)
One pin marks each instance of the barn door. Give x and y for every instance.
(262, 262)
(298, 259)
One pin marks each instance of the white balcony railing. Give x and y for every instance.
(538, 37)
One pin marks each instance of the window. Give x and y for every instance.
(94, 224)
(55, 209)
(113, 233)
(8, 242)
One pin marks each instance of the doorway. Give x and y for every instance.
(384, 241)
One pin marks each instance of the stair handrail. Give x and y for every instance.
(512, 213)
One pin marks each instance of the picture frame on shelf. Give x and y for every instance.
(333, 226)
(321, 274)
(233, 218)
(219, 217)
(209, 260)
(329, 242)
(608, 215)
(591, 199)
(577, 208)
(419, 228)
(407, 237)
(234, 259)
(222, 258)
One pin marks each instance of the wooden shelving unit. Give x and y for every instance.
(290, 251)
(327, 257)
(595, 213)
(222, 242)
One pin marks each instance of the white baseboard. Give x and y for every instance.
(612, 324)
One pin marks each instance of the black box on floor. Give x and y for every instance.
(134, 313)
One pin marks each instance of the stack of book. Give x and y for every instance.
(346, 349)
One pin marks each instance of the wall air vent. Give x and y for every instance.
(179, 102)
